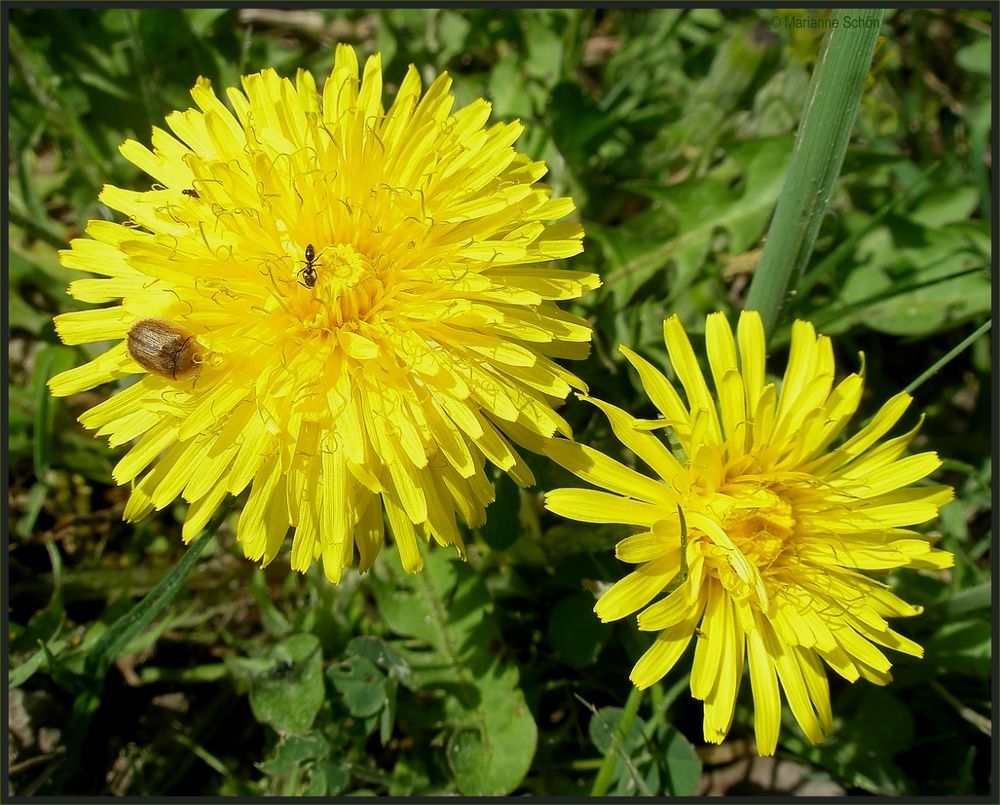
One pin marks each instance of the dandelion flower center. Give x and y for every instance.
(349, 290)
(761, 525)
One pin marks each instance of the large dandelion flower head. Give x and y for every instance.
(346, 308)
(762, 539)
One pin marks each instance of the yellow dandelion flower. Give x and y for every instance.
(761, 537)
(346, 308)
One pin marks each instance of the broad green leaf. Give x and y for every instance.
(699, 208)
(680, 763)
(975, 57)
(363, 686)
(491, 732)
(506, 89)
(491, 758)
(578, 126)
(290, 692)
(545, 50)
(293, 751)
(452, 30)
(379, 652)
(945, 205)
(913, 280)
(602, 730)
(327, 779)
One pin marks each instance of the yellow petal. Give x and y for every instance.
(665, 651)
(685, 364)
(635, 590)
(596, 468)
(592, 506)
(766, 696)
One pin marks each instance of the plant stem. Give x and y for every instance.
(952, 354)
(828, 116)
(605, 774)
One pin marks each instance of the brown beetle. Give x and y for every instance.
(164, 348)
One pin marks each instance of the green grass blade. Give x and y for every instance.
(828, 116)
(122, 631)
(51, 361)
(43, 415)
(952, 354)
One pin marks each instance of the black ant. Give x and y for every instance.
(189, 192)
(308, 274)
(280, 670)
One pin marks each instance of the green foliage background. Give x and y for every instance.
(672, 130)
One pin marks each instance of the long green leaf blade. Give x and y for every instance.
(828, 117)
(122, 631)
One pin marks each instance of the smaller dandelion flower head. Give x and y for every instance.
(761, 539)
(360, 303)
